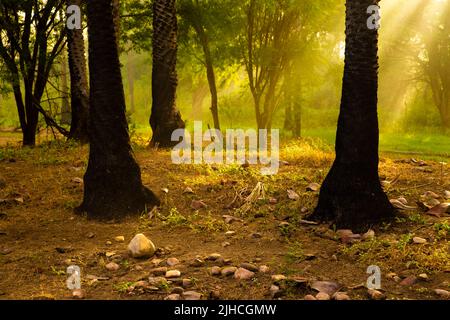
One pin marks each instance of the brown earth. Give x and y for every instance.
(39, 232)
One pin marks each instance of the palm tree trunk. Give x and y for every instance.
(165, 117)
(79, 91)
(351, 195)
(112, 183)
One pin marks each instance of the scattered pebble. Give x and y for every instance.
(278, 277)
(309, 297)
(409, 281)
(313, 187)
(322, 296)
(256, 235)
(375, 294)
(243, 274)
(226, 244)
(186, 283)
(112, 266)
(173, 297)
(423, 277)
(216, 271)
(90, 235)
(249, 266)
(197, 263)
(230, 233)
(263, 269)
(172, 262)
(214, 256)
(173, 274)
(161, 271)
(192, 295)
(341, 296)
(369, 235)
(177, 290)
(188, 190)
(119, 239)
(78, 294)
(108, 243)
(228, 271)
(442, 293)
(419, 240)
(275, 291)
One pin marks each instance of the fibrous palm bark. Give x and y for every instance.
(351, 195)
(165, 117)
(112, 183)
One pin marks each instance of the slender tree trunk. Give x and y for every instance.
(165, 117)
(112, 183)
(65, 105)
(79, 92)
(351, 195)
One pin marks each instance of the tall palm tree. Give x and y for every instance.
(165, 117)
(79, 91)
(351, 195)
(112, 183)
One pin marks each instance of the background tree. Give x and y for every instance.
(79, 91)
(351, 195)
(32, 36)
(112, 183)
(165, 118)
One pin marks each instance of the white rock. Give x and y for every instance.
(173, 274)
(192, 295)
(419, 240)
(322, 296)
(243, 274)
(112, 266)
(141, 247)
(119, 239)
(442, 293)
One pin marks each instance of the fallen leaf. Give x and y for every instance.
(399, 205)
(328, 287)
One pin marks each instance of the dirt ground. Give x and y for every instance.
(40, 235)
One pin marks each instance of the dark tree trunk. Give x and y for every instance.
(112, 183)
(79, 92)
(165, 117)
(351, 195)
(131, 75)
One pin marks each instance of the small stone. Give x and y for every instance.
(278, 277)
(341, 296)
(173, 297)
(293, 195)
(156, 262)
(273, 201)
(173, 274)
(423, 277)
(369, 235)
(216, 271)
(442, 293)
(172, 262)
(408, 281)
(249, 266)
(419, 240)
(78, 294)
(243, 274)
(257, 260)
(322, 296)
(186, 283)
(275, 291)
(228, 271)
(138, 268)
(141, 247)
(157, 281)
(230, 233)
(192, 295)
(309, 297)
(197, 263)
(226, 244)
(141, 284)
(161, 271)
(177, 290)
(90, 235)
(263, 269)
(375, 295)
(214, 295)
(188, 190)
(220, 262)
(256, 235)
(119, 239)
(108, 243)
(313, 187)
(334, 257)
(112, 266)
(214, 256)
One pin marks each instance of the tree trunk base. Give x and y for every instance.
(352, 200)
